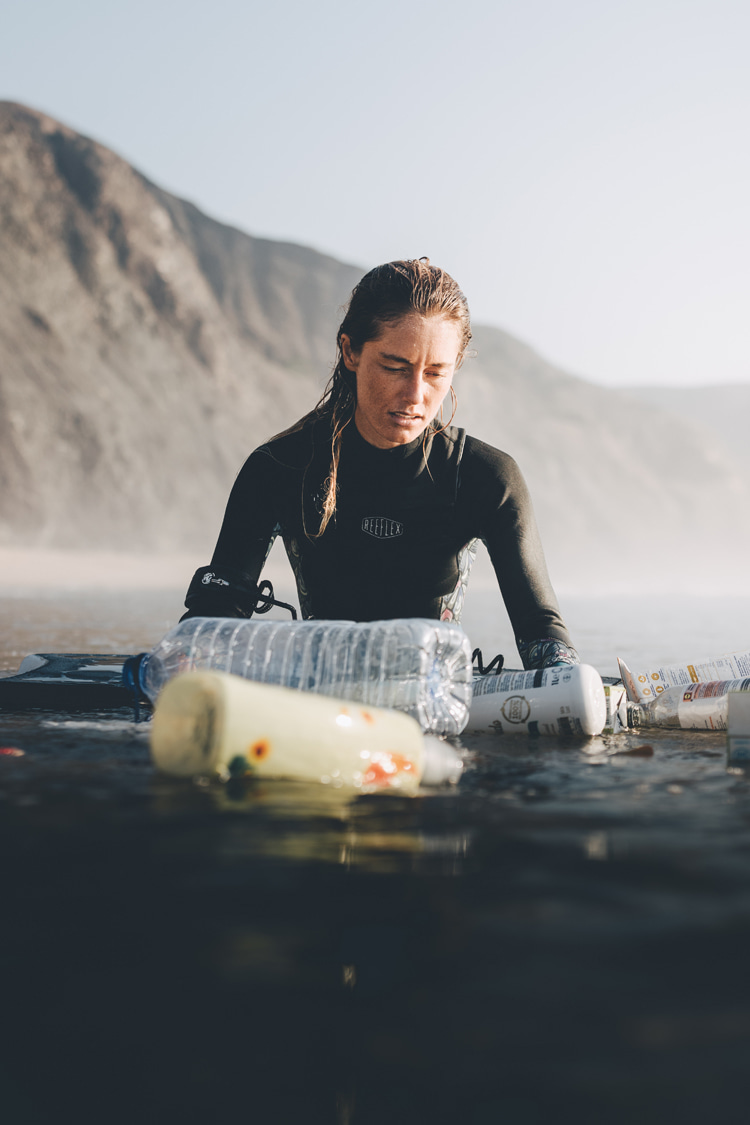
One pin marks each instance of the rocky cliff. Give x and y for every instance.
(145, 349)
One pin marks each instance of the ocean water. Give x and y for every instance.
(563, 936)
(637, 627)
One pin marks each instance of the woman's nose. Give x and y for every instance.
(415, 383)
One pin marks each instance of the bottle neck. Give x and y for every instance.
(635, 715)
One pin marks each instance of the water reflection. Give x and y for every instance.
(307, 823)
(596, 845)
(569, 928)
(327, 956)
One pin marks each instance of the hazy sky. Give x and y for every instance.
(582, 167)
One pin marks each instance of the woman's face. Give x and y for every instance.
(403, 377)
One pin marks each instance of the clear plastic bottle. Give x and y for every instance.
(211, 722)
(701, 706)
(568, 700)
(414, 665)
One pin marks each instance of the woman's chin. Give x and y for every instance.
(403, 428)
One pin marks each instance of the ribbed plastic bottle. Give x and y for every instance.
(567, 701)
(211, 722)
(415, 665)
(701, 706)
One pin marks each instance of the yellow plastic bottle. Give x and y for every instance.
(216, 723)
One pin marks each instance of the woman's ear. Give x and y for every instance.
(350, 357)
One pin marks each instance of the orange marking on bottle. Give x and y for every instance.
(385, 768)
(367, 717)
(259, 750)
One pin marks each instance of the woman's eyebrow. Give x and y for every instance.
(407, 362)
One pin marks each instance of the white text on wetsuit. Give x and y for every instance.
(381, 527)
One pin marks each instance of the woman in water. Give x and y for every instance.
(379, 502)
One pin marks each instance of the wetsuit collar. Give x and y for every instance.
(354, 443)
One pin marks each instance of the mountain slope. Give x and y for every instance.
(145, 349)
(722, 410)
(623, 489)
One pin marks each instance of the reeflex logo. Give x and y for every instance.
(380, 527)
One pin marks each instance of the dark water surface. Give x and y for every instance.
(564, 937)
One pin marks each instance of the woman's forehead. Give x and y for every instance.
(415, 331)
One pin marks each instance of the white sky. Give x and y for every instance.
(582, 167)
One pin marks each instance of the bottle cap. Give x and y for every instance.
(441, 762)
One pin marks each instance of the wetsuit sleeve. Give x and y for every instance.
(505, 521)
(247, 533)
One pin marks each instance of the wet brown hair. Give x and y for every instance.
(384, 295)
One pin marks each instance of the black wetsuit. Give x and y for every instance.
(402, 539)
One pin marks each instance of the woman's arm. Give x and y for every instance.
(506, 522)
(229, 586)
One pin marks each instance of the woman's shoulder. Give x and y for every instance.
(485, 469)
(481, 455)
(291, 449)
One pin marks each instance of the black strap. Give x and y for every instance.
(495, 665)
(266, 600)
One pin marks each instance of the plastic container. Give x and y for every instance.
(738, 728)
(642, 686)
(567, 701)
(701, 706)
(215, 723)
(414, 665)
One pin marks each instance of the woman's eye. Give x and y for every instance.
(431, 375)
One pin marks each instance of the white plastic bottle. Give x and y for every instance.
(701, 706)
(212, 722)
(738, 728)
(414, 665)
(554, 701)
